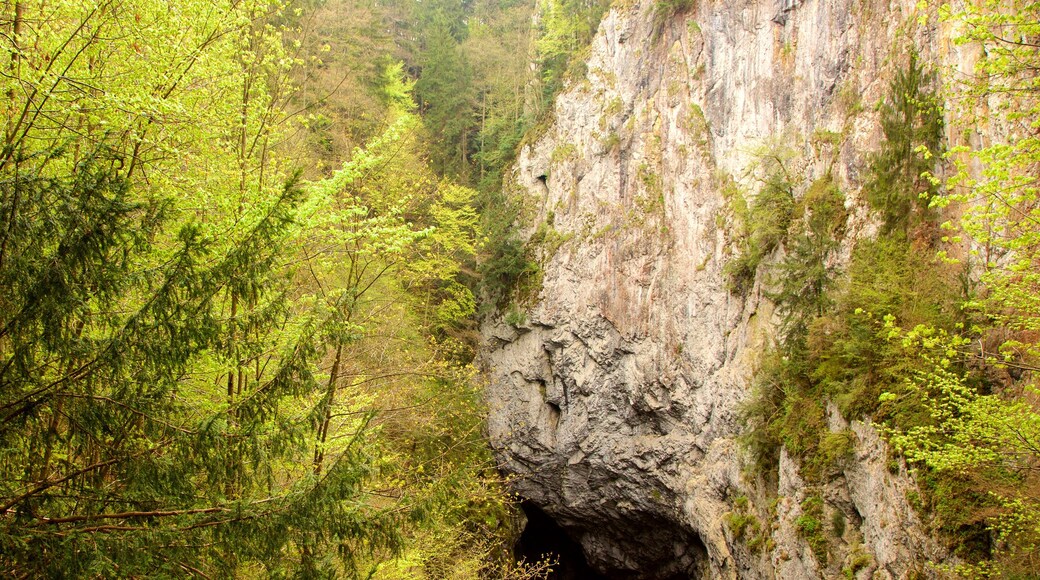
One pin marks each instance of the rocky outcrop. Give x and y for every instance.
(614, 398)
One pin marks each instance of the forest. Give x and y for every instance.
(245, 247)
(239, 284)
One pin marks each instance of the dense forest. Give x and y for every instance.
(245, 246)
(238, 271)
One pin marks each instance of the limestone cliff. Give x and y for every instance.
(614, 399)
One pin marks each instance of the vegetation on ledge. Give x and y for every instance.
(941, 353)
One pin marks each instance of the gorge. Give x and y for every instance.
(520, 289)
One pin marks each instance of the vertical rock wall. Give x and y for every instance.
(614, 402)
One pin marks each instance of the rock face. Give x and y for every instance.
(615, 396)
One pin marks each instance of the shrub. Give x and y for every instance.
(763, 226)
(665, 9)
(506, 266)
(746, 526)
(810, 527)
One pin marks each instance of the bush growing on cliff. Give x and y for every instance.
(807, 272)
(956, 394)
(761, 227)
(566, 30)
(830, 344)
(666, 9)
(506, 269)
(810, 527)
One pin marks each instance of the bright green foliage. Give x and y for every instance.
(451, 246)
(154, 377)
(762, 227)
(190, 377)
(887, 278)
(1004, 213)
(395, 219)
(982, 431)
(912, 123)
(976, 452)
(970, 429)
(566, 28)
(471, 60)
(386, 263)
(840, 352)
(116, 439)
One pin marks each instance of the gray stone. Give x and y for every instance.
(615, 407)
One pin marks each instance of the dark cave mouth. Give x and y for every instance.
(543, 538)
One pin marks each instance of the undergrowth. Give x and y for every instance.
(842, 342)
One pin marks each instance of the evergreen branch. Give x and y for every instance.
(26, 402)
(133, 515)
(132, 410)
(176, 263)
(191, 569)
(110, 528)
(49, 484)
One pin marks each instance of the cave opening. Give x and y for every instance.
(653, 549)
(543, 538)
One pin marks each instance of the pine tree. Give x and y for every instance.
(445, 88)
(157, 383)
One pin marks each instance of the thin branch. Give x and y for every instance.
(49, 484)
(133, 515)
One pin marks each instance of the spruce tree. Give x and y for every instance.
(122, 454)
(912, 124)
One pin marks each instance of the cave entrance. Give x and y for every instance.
(543, 538)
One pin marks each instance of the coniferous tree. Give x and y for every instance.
(912, 123)
(156, 383)
(444, 88)
(116, 439)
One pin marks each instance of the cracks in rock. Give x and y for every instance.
(554, 420)
(784, 9)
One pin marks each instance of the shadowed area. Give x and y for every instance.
(543, 539)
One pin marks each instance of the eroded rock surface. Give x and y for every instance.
(615, 402)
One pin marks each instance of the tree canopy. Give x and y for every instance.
(210, 366)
